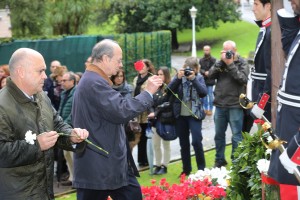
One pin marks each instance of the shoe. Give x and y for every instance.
(66, 183)
(220, 163)
(156, 170)
(163, 170)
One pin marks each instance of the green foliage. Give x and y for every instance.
(27, 16)
(245, 178)
(173, 15)
(154, 46)
(69, 16)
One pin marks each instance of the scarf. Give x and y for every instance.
(139, 84)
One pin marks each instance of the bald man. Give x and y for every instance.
(29, 128)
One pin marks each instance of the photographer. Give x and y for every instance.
(189, 84)
(231, 73)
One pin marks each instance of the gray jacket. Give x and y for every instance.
(231, 82)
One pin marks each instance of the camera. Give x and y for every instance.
(188, 71)
(229, 54)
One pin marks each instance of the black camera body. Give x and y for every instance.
(229, 54)
(188, 71)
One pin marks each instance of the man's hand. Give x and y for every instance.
(78, 135)
(180, 73)
(47, 140)
(153, 83)
(289, 165)
(151, 115)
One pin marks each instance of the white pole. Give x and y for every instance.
(193, 12)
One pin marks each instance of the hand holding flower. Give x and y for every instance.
(79, 135)
(47, 140)
(153, 83)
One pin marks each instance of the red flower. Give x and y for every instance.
(259, 121)
(139, 65)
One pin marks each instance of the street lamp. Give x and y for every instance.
(193, 12)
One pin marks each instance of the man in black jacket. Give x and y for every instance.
(205, 64)
(29, 128)
(231, 73)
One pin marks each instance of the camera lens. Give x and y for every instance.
(228, 54)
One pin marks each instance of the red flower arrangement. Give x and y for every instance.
(187, 189)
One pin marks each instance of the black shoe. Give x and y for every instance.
(156, 170)
(163, 170)
(220, 163)
(184, 173)
(66, 183)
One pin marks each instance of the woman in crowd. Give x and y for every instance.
(189, 84)
(4, 70)
(120, 84)
(139, 84)
(160, 98)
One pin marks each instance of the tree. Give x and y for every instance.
(69, 16)
(27, 17)
(173, 15)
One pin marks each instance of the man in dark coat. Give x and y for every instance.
(205, 64)
(231, 73)
(29, 128)
(101, 110)
(260, 81)
(288, 118)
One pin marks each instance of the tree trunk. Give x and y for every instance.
(175, 44)
(277, 57)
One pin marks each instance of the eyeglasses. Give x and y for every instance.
(64, 80)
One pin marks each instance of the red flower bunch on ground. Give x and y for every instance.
(139, 65)
(187, 189)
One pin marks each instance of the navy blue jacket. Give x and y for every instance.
(102, 110)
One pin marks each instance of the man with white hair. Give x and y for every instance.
(231, 73)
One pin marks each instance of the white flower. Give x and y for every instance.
(219, 174)
(29, 137)
(263, 165)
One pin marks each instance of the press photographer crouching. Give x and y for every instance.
(189, 84)
(231, 73)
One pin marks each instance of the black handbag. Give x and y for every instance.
(166, 131)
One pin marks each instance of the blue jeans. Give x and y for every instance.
(185, 125)
(223, 116)
(208, 99)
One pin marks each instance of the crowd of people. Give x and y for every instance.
(37, 133)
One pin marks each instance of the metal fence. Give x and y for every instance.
(72, 51)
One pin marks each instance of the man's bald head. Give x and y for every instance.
(22, 58)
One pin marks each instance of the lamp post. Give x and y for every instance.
(193, 12)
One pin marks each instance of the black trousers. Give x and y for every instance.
(130, 192)
(142, 146)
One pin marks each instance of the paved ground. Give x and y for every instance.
(208, 124)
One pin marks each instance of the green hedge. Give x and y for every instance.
(73, 51)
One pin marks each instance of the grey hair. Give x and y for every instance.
(230, 42)
(71, 76)
(104, 47)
